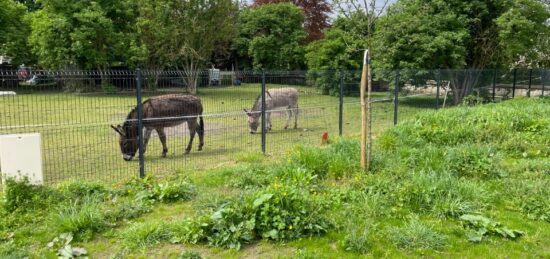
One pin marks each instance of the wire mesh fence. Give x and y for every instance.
(81, 115)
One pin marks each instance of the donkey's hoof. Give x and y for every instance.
(286, 127)
(163, 155)
(186, 152)
(199, 149)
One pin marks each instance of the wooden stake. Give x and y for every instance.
(363, 86)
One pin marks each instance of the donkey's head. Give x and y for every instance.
(127, 140)
(253, 120)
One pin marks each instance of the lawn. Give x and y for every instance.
(464, 182)
(79, 144)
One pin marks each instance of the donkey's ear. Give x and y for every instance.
(118, 129)
(247, 112)
(268, 94)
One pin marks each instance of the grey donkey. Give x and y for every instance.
(276, 99)
(160, 112)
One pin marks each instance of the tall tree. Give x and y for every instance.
(338, 50)
(316, 15)
(272, 36)
(185, 34)
(431, 34)
(524, 34)
(83, 34)
(14, 32)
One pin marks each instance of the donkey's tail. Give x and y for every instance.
(201, 126)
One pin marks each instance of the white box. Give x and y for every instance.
(21, 156)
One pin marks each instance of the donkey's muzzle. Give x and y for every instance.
(127, 157)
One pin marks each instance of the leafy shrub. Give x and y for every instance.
(416, 234)
(189, 231)
(145, 234)
(280, 212)
(481, 226)
(23, 196)
(473, 161)
(230, 226)
(81, 218)
(127, 209)
(81, 189)
(175, 190)
(148, 188)
(286, 212)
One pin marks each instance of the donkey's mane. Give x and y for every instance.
(257, 103)
(132, 115)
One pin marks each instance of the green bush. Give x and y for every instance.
(189, 231)
(473, 161)
(287, 212)
(230, 226)
(81, 189)
(23, 196)
(175, 190)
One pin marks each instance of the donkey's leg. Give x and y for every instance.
(295, 117)
(268, 119)
(192, 126)
(288, 114)
(162, 137)
(200, 131)
(146, 138)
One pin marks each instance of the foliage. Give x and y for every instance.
(170, 191)
(524, 33)
(76, 190)
(15, 30)
(456, 34)
(23, 196)
(87, 35)
(316, 14)
(272, 36)
(416, 234)
(209, 26)
(338, 50)
(278, 212)
(149, 190)
(481, 226)
(62, 245)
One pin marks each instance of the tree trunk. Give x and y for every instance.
(462, 83)
(191, 76)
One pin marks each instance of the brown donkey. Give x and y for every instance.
(160, 112)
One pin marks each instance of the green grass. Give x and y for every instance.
(78, 143)
(424, 181)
